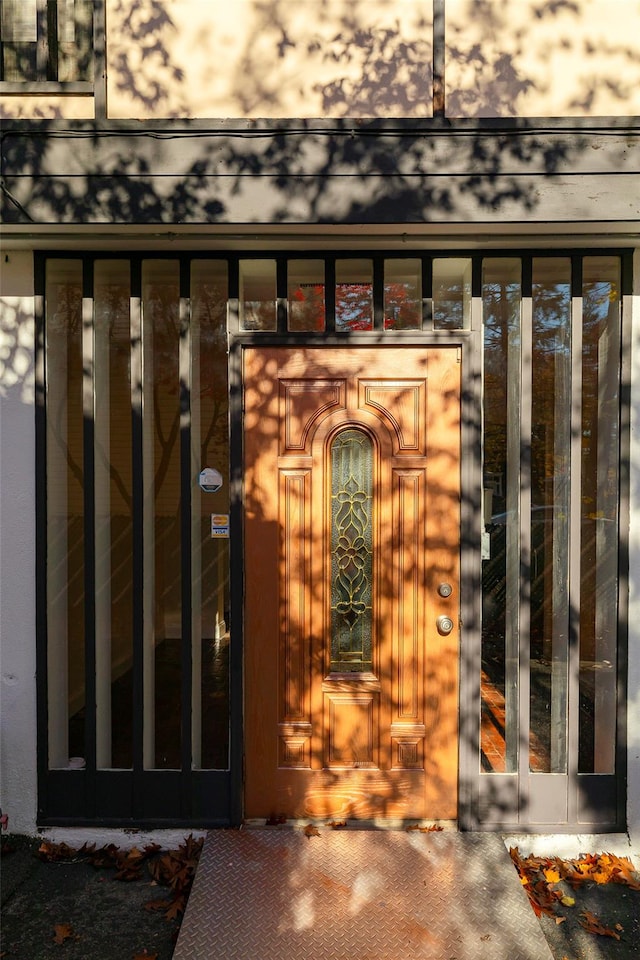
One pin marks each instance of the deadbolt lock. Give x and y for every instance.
(445, 589)
(444, 624)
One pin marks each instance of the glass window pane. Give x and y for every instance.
(351, 551)
(354, 295)
(403, 294)
(162, 529)
(599, 513)
(113, 511)
(75, 40)
(549, 518)
(258, 295)
(18, 36)
(501, 294)
(305, 294)
(452, 293)
(18, 21)
(65, 513)
(210, 555)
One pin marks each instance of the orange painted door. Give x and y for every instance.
(352, 543)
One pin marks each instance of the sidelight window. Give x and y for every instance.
(550, 552)
(136, 585)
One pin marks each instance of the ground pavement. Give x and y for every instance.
(76, 910)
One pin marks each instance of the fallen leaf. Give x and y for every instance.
(593, 925)
(432, 828)
(337, 824)
(176, 907)
(560, 920)
(52, 852)
(276, 820)
(176, 869)
(156, 905)
(568, 901)
(552, 875)
(311, 831)
(62, 932)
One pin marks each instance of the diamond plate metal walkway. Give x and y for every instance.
(275, 894)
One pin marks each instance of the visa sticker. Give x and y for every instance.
(220, 525)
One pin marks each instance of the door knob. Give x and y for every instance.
(444, 624)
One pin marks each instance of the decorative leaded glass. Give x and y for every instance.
(351, 551)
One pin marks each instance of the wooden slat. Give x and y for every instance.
(436, 199)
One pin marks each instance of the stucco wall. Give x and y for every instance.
(530, 58)
(17, 544)
(212, 58)
(359, 59)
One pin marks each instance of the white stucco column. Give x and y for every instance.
(633, 685)
(17, 544)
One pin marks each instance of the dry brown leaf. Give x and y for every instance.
(52, 852)
(592, 924)
(311, 831)
(337, 824)
(62, 932)
(176, 907)
(156, 904)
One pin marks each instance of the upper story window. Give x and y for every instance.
(47, 41)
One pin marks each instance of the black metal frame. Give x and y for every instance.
(152, 798)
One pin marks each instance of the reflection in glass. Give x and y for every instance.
(75, 41)
(210, 557)
(162, 539)
(599, 513)
(305, 294)
(501, 294)
(113, 512)
(65, 512)
(550, 481)
(258, 295)
(452, 293)
(351, 551)
(402, 294)
(354, 295)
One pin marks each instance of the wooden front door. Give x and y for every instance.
(352, 542)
